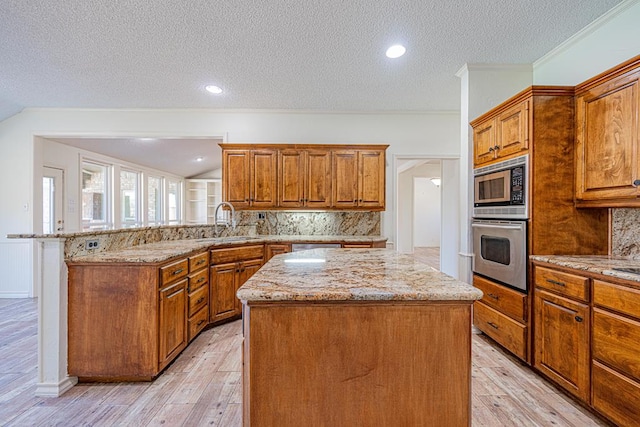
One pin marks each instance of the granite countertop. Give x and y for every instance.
(600, 264)
(352, 275)
(168, 249)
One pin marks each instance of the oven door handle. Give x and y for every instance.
(501, 227)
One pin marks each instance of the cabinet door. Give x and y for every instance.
(484, 141)
(344, 169)
(223, 291)
(276, 249)
(513, 130)
(371, 179)
(291, 178)
(263, 179)
(317, 191)
(562, 342)
(245, 271)
(173, 321)
(607, 161)
(235, 177)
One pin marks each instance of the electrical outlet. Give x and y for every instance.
(92, 244)
(261, 215)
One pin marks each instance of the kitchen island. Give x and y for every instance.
(355, 337)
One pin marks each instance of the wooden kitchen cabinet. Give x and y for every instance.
(249, 177)
(501, 133)
(144, 307)
(273, 249)
(502, 315)
(173, 335)
(231, 267)
(562, 328)
(358, 178)
(616, 346)
(198, 294)
(262, 178)
(607, 138)
(304, 178)
(235, 181)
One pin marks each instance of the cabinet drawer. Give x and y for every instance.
(198, 299)
(615, 396)
(619, 298)
(198, 262)
(562, 283)
(221, 256)
(503, 299)
(174, 271)
(197, 322)
(198, 279)
(504, 330)
(616, 342)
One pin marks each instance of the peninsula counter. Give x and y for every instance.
(355, 337)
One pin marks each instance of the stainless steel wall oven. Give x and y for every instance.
(500, 251)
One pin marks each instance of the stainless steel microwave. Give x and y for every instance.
(500, 190)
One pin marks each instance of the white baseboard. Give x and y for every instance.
(55, 390)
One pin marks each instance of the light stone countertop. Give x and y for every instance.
(599, 264)
(168, 249)
(352, 275)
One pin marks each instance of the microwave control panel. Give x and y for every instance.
(517, 185)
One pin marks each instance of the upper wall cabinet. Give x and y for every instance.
(304, 176)
(607, 138)
(502, 132)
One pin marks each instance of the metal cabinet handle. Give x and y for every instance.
(200, 300)
(579, 319)
(636, 183)
(555, 282)
(493, 325)
(490, 149)
(178, 271)
(496, 147)
(201, 322)
(494, 296)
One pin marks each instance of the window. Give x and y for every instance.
(129, 198)
(174, 202)
(154, 200)
(95, 196)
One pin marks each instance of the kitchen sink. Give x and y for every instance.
(633, 270)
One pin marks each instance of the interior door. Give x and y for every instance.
(52, 200)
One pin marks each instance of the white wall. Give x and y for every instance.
(20, 165)
(605, 43)
(426, 212)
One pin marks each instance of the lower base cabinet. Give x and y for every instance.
(562, 342)
(173, 321)
(587, 339)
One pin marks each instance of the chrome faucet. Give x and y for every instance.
(215, 217)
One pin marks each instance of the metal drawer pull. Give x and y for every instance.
(200, 300)
(200, 280)
(579, 319)
(494, 296)
(200, 322)
(555, 282)
(200, 262)
(493, 325)
(178, 271)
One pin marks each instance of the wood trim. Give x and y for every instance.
(284, 146)
(628, 66)
(523, 95)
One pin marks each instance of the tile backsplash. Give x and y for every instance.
(625, 234)
(248, 224)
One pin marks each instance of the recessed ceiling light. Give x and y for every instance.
(396, 51)
(199, 159)
(213, 89)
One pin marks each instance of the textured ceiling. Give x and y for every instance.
(276, 54)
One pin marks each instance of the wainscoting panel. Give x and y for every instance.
(16, 269)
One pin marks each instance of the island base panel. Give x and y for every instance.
(357, 364)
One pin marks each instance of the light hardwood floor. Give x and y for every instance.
(203, 386)
(429, 255)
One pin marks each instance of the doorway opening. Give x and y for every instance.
(52, 200)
